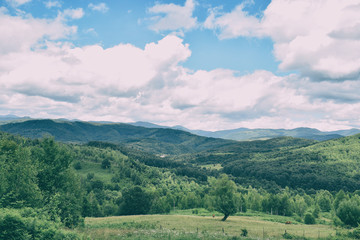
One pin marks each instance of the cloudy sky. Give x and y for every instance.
(198, 63)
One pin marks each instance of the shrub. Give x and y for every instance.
(77, 166)
(29, 223)
(309, 219)
(349, 213)
(355, 234)
(105, 164)
(12, 227)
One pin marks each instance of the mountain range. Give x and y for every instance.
(244, 134)
(239, 134)
(153, 140)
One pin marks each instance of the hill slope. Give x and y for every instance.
(244, 134)
(165, 141)
(153, 140)
(332, 165)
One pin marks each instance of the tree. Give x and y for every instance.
(324, 199)
(224, 192)
(18, 182)
(309, 219)
(135, 201)
(349, 212)
(54, 160)
(105, 164)
(316, 212)
(339, 197)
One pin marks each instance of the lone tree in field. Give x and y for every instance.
(224, 193)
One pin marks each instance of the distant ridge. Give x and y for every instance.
(239, 134)
(10, 117)
(245, 134)
(154, 140)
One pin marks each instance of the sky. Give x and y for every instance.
(202, 64)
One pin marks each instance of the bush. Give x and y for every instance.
(355, 234)
(105, 164)
(135, 201)
(77, 166)
(316, 212)
(29, 223)
(12, 227)
(349, 213)
(309, 219)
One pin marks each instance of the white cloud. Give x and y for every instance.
(91, 31)
(52, 3)
(101, 7)
(176, 17)
(17, 3)
(72, 13)
(62, 73)
(127, 83)
(321, 39)
(21, 33)
(236, 23)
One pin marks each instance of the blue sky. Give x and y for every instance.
(202, 64)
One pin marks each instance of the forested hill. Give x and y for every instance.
(245, 134)
(285, 161)
(154, 140)
(331, 165)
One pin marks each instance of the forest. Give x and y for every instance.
(48, 187)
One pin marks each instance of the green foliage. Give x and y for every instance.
(224, 193)
(349, 212)
(309, 219)
(18, 175)
(331, 165)
(77, 166)
(339, 197)
(38, 174)
(324, 199)
(316, 212)
(26, 223)
(160, 205)
(54, 160)
(355, 234)
(106, 164)
(154, 140)
(277, 204)
(11, 227)
(114, 179)
(135, 201)
(244, 232)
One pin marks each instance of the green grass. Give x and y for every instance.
(92, 167)
(196, 227)
(212, 166)
(270, 218)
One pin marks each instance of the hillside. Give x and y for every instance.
(272, 163)
(282, 176)
(244, 134)
(331, 165)
(239, 134)
(154, 140)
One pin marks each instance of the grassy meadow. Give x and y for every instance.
(200, 227)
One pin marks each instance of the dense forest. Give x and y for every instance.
(48, 186)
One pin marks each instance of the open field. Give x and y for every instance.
(197, 227)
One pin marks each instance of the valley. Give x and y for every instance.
(87, 175)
